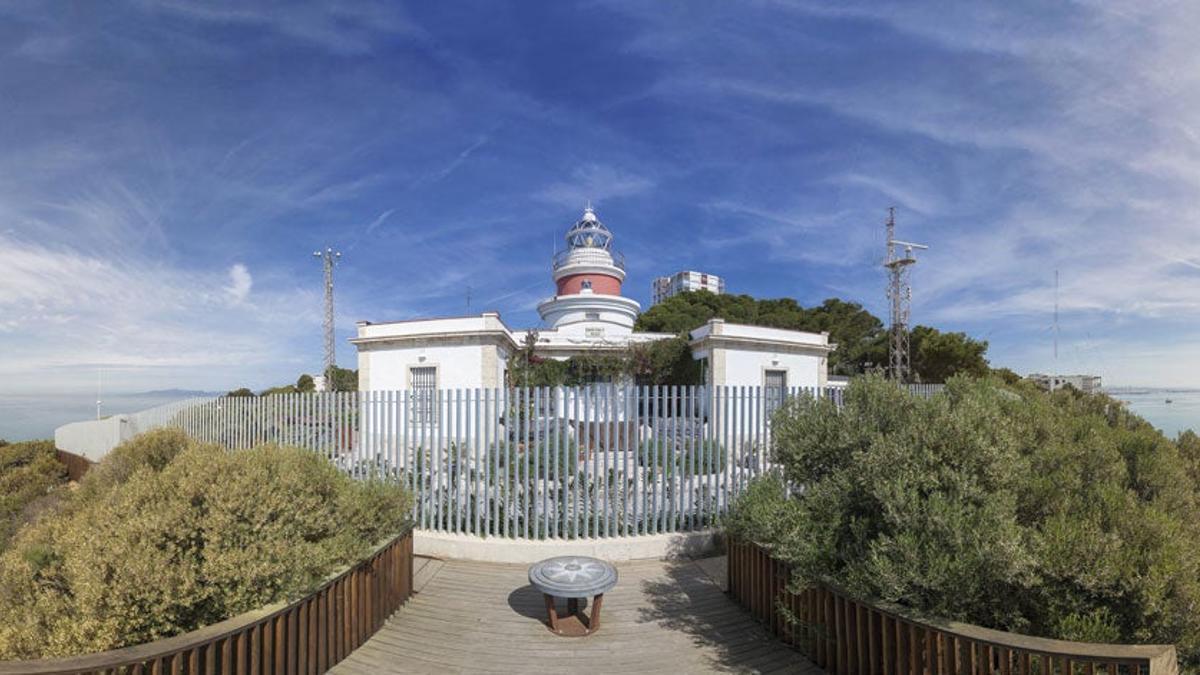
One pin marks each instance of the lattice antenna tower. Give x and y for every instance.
(329, 260)
(899, 293)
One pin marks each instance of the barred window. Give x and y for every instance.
(774, 389)
(424, 398)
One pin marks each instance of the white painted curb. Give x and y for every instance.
(615, 549)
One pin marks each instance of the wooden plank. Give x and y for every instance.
(887, 653)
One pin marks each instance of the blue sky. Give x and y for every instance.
(170, 166)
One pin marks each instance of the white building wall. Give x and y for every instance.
(94, 438)
(458, 366)
(746, 368)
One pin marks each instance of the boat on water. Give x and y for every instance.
(1168, 400)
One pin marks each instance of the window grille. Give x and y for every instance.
(424, 386)
(774, 390)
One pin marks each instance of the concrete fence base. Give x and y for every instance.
(616, 549)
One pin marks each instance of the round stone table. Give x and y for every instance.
(573, 577)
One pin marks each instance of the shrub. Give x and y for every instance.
(169, 537)
(152, 450)
(683, 457)
(29, 471)
(552, 458)
(1061, 515)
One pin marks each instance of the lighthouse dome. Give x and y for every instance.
(589, 232)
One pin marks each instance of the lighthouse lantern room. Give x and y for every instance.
(587, 278)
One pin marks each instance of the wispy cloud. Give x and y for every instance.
(169, 167)
(594, 182)
(340, 27)
(240, 283)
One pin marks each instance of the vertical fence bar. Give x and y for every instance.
(623, 449)
(496, 485)
(422, 404)
(474, 516)
(579, 464)
(606, 449)
(505, 483)
(677, 451)
(536, 450)
(453, 448)
(650, 457)
(595, 435)
(639, 470)
(491, 421)
(693, 441)
(552, 501)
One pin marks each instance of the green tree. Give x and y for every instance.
(305, 384)
(241, 392)
(860, 336)
(341, 379)
(1060, 515)
(1006, 375)
(938, 356)
(663, 362)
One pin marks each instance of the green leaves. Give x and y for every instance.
(29, 474)
(167, 535)
(1059, 514)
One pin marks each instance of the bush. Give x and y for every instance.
(683, 457)
(170, 535)
(1060, 515)
(152, 450)
(29, 471)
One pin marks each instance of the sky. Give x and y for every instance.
(169, 167)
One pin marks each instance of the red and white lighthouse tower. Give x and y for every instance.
(587, 278)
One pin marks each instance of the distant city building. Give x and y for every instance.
(1084, 383)
(665, 287)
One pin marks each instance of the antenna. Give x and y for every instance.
(899, 293)
(468, 298)
(329, 259)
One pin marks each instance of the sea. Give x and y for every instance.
(1171, 410)
(30, 416)
(25, 417)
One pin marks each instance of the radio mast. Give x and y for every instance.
(899, 294)
(329, 259)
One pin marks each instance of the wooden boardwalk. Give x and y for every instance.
(663, 617)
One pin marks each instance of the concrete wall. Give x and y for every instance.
(468, 365)
(745, 367)
(488, 321)
(93, 439)
(618, 549)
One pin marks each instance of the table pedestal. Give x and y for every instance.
(574, 623)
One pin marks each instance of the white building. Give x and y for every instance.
(665, 287)
(586, 314)
(1085, 383)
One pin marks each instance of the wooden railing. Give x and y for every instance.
(846, 636)
(308, 635)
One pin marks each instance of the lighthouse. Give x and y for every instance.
(587, 279)
(587, 315)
